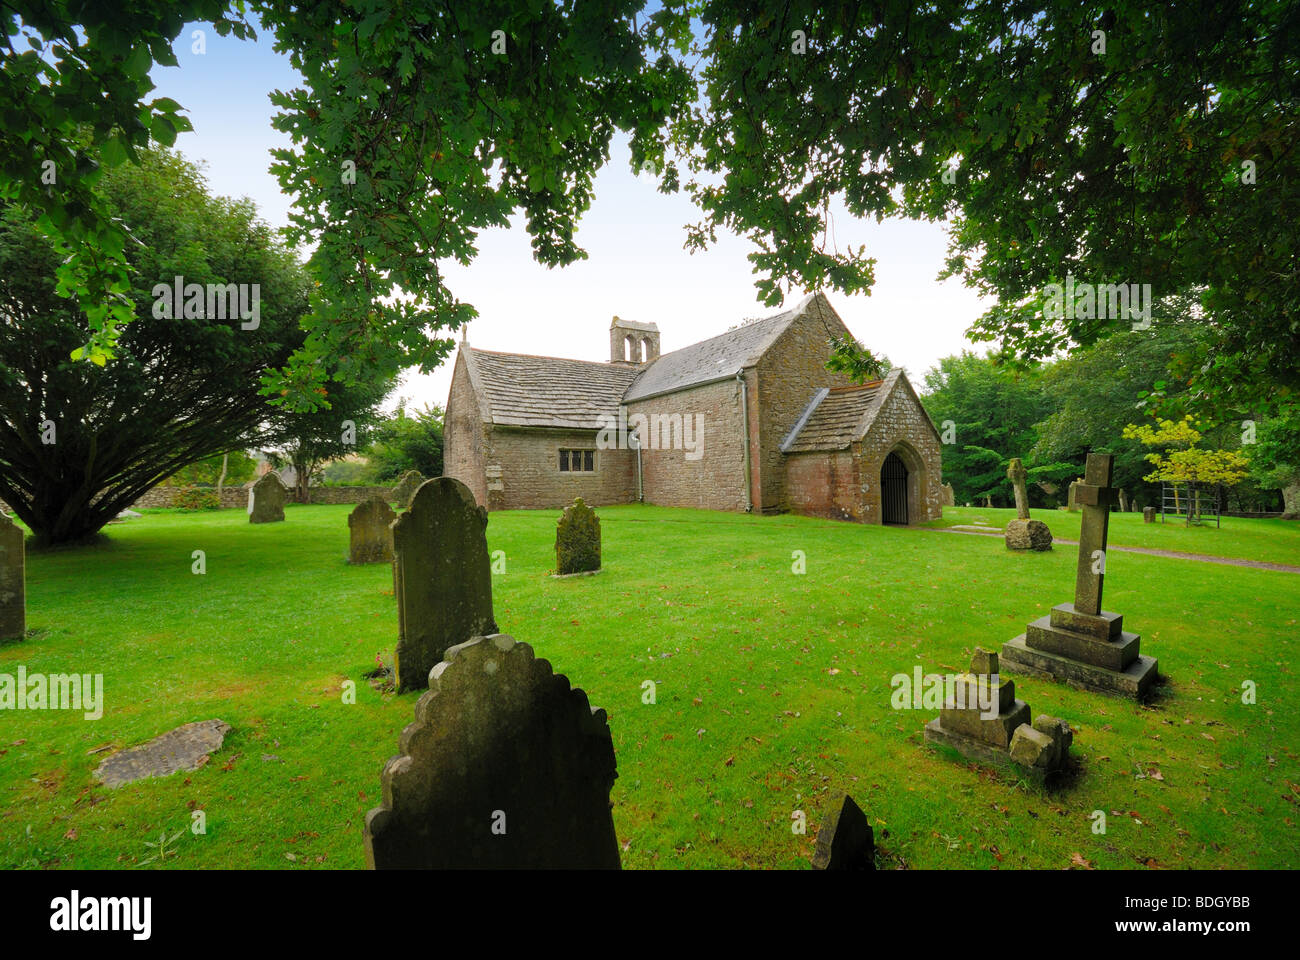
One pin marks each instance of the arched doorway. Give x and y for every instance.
(893, 490)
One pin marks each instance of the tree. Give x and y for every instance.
(404, 442)
(80, 442)
(1097, 389)
(1184, 462)
(850, 357)
(226, 468)
(1135, 143)
(990, 410)
(1130, 143)
(74, 81)
(1275, 457)
(309, 439)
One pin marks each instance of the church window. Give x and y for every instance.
(577, 461)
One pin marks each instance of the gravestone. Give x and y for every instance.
(1001, 736)
(505, 767)
(1023, 533)
(266, 499)
(1072, 504)
(370, 533)
(1080, 643)
(577, 540)
(185, 748)
(13, 580)
(407, 484)
(1148, 514)
(949, 497)
(846, 840)
(442, 577)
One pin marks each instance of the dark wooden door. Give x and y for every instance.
(893, 490)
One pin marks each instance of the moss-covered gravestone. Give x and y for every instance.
(505, 767)
(577, 540)
(266, 499)
(1080, 643)
(1072, 500)
(13, 589)
(407, 484)
(442, 577)
(370, 532)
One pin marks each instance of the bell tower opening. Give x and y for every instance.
(632, 343)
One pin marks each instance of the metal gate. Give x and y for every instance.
(893, 490)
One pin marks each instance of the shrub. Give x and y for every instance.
(192, 498)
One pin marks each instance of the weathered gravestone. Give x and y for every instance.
(983, 721)
(407, 484)
(577, 540)
(949, 496)
(185, 748)
(1148, 514)
(13, 580)
(442, 576)
(1080, 643)
(846, 840)
(1023, 533)
(370, 532)
(1072, 504)
(266, 499)
(505, 766)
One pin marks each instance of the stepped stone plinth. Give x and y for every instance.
(1080, 643)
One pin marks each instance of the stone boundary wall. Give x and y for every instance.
(236, 498)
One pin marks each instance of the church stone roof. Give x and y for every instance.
(718, 358)
(519, 390)
(837, 416)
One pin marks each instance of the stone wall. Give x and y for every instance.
(792, 370)
(522, 470)
(715, 481)
(236, 498)
(463, 440)
(826, 484)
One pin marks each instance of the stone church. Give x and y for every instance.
(749, 420)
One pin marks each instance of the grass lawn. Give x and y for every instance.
(773, 690)
(1273, 541)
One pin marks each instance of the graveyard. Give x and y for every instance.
(744, 664)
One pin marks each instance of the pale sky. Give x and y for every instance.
(637, 267)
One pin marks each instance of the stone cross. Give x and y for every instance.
(506, 766)
(1017, 475)
(1095, 495)
(442, 576)
(13, 601)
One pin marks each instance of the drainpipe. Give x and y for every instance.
(640, 484)
(744, 408)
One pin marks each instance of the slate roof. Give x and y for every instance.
(519, 390)
(837, 416)
(718, 358)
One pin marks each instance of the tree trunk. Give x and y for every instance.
(225, 459)
(1291, 501)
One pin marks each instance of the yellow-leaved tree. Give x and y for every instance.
(1183, 463)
